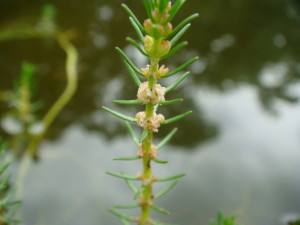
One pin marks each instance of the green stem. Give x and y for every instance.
(146, 197)
(65, 97)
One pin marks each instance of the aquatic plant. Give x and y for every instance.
(20, 98)
(159, 40)
(222, 220)
(8, 206)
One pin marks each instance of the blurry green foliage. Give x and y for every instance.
(222, 220)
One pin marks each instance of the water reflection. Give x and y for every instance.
(244, 159)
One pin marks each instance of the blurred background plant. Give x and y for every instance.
(8, 206)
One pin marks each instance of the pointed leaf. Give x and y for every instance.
(148, 9)
(144, 135)
(175, 49)
(4, 183)
(128, 158)
(175, 118)
(130, 13)
(122, 175)
(139, 192)
(132, 134)
(166, 190)
(128, 102)
(159, 161)
(175, 8)
(166, 139)
(133, 42)
(4, 168)
(131, 186)
(131, 206)
(156, 208)
(182, 67)
(171, 101)
(170, 178)
(122, 54)
(124, 222)
(12, 203)
(8, 197)
(122, 216)
(179, 34)
(137, 29)
(178, 81)
(120, 115)
(183, 23)
(133, 74)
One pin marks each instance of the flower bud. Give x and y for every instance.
(148, 44)
(162, 71)
(151, 123)
(164, 48)
(146, 71)
(144, 93)
(167, 29)
(158, 94)
(148, 26)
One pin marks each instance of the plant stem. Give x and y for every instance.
(146, 197)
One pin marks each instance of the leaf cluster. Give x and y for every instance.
(222, 220)
(8, 206)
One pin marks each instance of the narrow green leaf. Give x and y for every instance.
(169, 178)
(159, 161)
(175, 49)
(148, 9)
(175, 118)
(137, 29)
(165, 190)
(128, 102)
(161, 210)
(128, 158)
(8, 197)
(171, 101)
(132, 134)
(133, 74)
(175, 8)
(133, 42)
(131, 186)
(4, 168)
(179, 34)
(12, 203)
(4, 182)
(138, 193)
(166, 139)
(144, 135)
(120, 115)
(122, 216)
(183, 23)
(123, 176)
(122, 54)
(124, 222)
(130, 13)
(182, 67)
(130, 206)
(178, 81)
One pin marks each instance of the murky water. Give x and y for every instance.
(240, 148)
